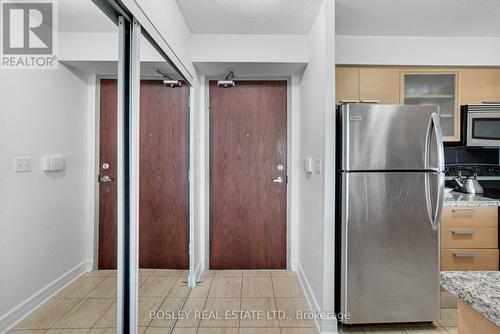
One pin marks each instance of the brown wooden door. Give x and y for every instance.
(107, 190)
(164, 163)
(248, 143)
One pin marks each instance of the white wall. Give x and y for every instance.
(45, 223)
(397, 50)
(90, 47)
(249, 48)
(315, 259)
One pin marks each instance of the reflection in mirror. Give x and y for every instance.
(57, 223)
(164, 190)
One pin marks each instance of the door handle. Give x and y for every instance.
(279, 179)
(439, 202)
(439, 140)
(434, 126)
(105, 179)
(434, 214)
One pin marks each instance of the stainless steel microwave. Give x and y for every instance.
(481, 125)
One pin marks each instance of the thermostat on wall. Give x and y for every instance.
(52, 163)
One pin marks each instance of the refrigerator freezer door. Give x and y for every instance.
(390, 250)
(388, 137)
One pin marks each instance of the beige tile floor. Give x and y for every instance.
(88, 306)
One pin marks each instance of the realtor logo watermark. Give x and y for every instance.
(29, 34)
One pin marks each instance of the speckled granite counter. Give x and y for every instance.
(478, 289)
(461, 199)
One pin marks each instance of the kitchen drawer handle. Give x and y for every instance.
(464, 254)
(464, 211)
(463, 232)
(349, 101)
(370, 101)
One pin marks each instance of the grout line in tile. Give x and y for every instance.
(112, 304)
(64, 314)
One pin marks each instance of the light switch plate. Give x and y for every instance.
(22, 164)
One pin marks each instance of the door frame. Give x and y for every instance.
(291, 156)
(95, 122)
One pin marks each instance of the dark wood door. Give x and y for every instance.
(164, 164)
(248, 145)
(107, 167)
(164, 188)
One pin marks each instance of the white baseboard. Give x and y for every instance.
(311, 299)
(24, 309)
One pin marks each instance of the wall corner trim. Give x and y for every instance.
(28, 306)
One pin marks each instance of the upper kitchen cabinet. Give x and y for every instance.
(367, 84)
(379, 85)
(479, 85)
(347, 84)
(436, 88)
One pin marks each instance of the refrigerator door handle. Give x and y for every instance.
(428, 200)
(440, 156)
(439, 141)
(428, 144)
(434, 125)
(439, 202)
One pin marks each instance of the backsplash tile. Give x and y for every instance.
(469, 155)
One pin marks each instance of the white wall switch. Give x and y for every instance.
(308, 165)
(317, 166)
(52, 163)
(22, 164)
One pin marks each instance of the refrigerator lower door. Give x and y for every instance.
(390, 248)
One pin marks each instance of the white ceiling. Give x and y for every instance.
(83, 16)
(249, 16)
(467, 18)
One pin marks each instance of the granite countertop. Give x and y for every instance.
(460, 199)
(478, 289)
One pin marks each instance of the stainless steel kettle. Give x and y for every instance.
(469, 185)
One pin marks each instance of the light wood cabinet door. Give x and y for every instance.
(469, 259)
(470, 237)
(379, 84)
(479, 85)
(463, 216)
(347, 84)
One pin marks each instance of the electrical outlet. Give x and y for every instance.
(22, 164)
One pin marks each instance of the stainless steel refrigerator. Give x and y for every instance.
(391, 183)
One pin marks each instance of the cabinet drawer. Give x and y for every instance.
(469, 259)
(462, 216)
(469, 237)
